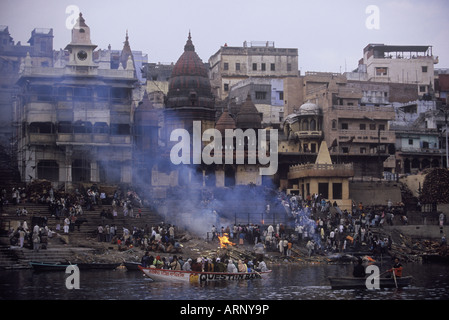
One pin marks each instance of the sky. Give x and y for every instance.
(329, 34)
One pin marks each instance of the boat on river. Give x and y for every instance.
(98, 266)
(132, 266)
(44, 266)
(360, 283)
(197, 277)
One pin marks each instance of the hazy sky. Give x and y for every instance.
(330, 35)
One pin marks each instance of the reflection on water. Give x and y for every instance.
(290, 282)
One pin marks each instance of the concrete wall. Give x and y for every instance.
(421, 231)
(375, 193)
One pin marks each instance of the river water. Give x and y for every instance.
(287, 282)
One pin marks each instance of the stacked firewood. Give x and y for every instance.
(436, 186)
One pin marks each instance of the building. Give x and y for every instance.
(75, 119)
(12, 56)
(230, 65)
(338, 113)
(324, 178)
(267, 95)
(419, 127)
(413, 64)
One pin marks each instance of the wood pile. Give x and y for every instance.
(436, 186)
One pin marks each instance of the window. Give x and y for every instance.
(381, 71)
(254, 66)
(334, 124)
(273, 67)
(422, 88)
(382, 127)
(410, 142)
(345, 149)
(261, 95)
(372, 126)
(323, 189)
(263, 66)
(362, 126)
(281, 95)
(237, 66)
(226, 87)
(225, 66)
(362, 150)
(344, 126)
(424, 69)
(289, 67)
(337, 191)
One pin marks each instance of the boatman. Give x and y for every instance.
(397, 268)
(359, 270)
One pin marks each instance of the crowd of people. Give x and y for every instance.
(203, 264)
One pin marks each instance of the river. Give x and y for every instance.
(287, 282)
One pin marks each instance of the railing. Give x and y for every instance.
(320, 166)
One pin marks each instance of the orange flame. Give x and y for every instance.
(224, 241)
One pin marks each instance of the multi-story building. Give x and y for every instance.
(337, 112)
(12, 55)
(420, 137)
(412, 64)
(74, 120)
(230, 65)
(267, 95)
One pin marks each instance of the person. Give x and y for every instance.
(187, 265)
(198, 265)
(158, 263)
(359, 270)
(231, 267)
(242, 267)
(261, 266)
(146, 260)
(175, 265)
(66, 225)
(397, 268)
(36, 241)
(21, 237)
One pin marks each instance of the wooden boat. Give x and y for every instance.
(197, 277)
(360, 283)
(131, 265)
(43, 266)
(97, 266)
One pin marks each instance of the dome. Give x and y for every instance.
(225, 122)
(248, 116)
(309, 108)
(189, 83)
(146, 114)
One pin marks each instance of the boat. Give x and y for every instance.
(97, 266)
(44, 266)
(131, 265)
(200, 277)
(360, 283)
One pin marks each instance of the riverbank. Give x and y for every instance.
(89, 250)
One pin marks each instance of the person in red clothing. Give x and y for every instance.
(397, 268)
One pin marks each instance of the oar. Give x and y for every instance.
(394, 277)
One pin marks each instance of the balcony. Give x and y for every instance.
(321, 170)
(95, 139)
(366, 136)
(42, 138)
(309, 134)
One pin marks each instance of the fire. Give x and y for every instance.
(224, 241)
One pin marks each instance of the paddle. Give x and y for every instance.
(394, 277)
